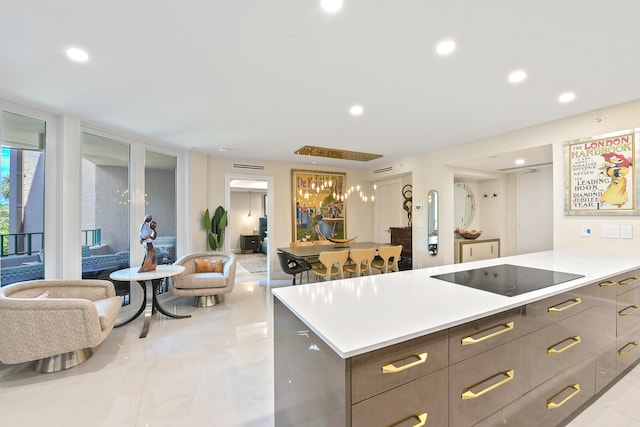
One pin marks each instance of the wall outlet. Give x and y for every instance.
(585, 231)
(612, 231)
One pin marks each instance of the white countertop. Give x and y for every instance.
(354, 316)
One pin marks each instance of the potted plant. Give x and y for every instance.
(215, 227)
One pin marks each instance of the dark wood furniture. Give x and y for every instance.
(402, 236)
(249, 243)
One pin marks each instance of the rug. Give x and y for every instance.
(254, 263)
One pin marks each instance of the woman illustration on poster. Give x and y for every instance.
(616, 167)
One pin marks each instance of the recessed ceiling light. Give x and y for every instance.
(331, 6)
(517, 76)
(356, 110)
(567, 97)
(446, 47)
(520, 162)
(77, 54)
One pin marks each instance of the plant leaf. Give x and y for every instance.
(207, 220)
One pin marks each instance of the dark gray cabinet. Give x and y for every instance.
(249, 243)
(529, 366)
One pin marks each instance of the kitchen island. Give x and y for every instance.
(384, 349)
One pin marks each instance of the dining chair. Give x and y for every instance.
(293, 266)
(294, 244)
(332, 264)
(388, 258)
(362, 259)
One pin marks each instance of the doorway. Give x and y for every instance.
(251, 202)
(535, 210)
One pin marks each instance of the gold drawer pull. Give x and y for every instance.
(631, 309)
(555, 309)
(606, 284)
(391, 368)
(628, 280)
(552, 405)
(576, 340)
(471, 340)
(422, 420)
(468, 394)
(623, 352)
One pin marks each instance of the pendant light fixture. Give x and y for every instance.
(250, 216)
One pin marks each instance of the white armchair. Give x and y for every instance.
(208, 288)
(55, 322)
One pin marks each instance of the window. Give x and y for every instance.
(160, 202)
(105, 206)
(22, 198)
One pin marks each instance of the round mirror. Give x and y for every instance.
(464, 205)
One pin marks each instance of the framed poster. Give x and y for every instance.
(601, 175)
(319, 211)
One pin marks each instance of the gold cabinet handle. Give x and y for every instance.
(506, 327)
(631, 309)
(468, 394)
(623, 352)
(606, 284)
(422, 420)
(391, 368)
(628, 281)
(556, 309)
(575, 341)
(552, 405)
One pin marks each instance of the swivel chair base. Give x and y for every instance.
(60, 362)
(208, 300)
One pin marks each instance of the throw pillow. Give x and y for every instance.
(217, 265)
(208, 265)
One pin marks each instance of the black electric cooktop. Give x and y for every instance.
(507, 280)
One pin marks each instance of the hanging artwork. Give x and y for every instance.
(319, 210)
(601, 175)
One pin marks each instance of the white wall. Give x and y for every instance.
(436, 170)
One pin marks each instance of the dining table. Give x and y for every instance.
(312, 251)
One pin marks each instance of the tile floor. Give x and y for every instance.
(214, 369)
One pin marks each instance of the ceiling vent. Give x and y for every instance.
(253, 167)
(382, 170)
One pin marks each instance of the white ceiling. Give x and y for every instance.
(264, 78)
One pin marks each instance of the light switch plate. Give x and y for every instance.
(626, 231)
(612, 231)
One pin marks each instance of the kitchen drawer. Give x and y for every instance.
(627, 351)
(628, 311)
(380, 370)
(606, 367)
(485, 383)
(627, 281)
(539, 314)
(555, 400)
(409, 404)
(550, 403)
(483, 334)
(565, 344)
